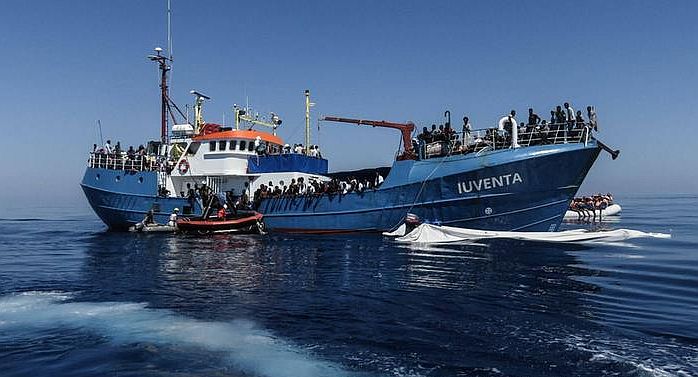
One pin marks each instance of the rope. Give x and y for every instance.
(421, 188)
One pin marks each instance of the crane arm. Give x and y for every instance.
(405, 129)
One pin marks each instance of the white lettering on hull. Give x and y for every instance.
(488, 183)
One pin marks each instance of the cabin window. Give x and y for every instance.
(221, 145)
(250, 146)
(243, 145)
(233, 144)
(193, 148)
(212, 146)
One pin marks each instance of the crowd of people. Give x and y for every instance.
(538, 131)
(301, 187)
(313, 150)
(113, 156)
(230, 201)
(587, 206)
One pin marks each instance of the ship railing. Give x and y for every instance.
(492, 139)
(121, 161)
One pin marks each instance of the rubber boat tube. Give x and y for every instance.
(612, 210)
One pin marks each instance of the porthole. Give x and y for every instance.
(118, 178)
(140, 179)
(97, 177)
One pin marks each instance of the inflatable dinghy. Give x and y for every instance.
(152, 228)
(612, 210)
(243, 222)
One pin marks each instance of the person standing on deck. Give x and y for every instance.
(570, 115)
(533, 118)
(108, 149)
(467, 130)
(559, 115)
(591, 115)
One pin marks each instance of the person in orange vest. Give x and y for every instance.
(222, 212)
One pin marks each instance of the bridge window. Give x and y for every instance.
(233, 144)
(193, 148)
(250, 146)
(243, 144)
(212, 146)
(221, 145)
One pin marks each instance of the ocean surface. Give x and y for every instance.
(76, 300)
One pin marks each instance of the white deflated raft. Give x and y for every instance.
(612, 210)
(400, 231)
(427, 233)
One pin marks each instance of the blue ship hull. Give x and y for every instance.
(121, 198)
(513, 189)
(525, 189)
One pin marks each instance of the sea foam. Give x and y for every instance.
(246, 346)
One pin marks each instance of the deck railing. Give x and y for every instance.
(480, 141)
(122, 162)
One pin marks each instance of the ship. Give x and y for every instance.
(491, 179)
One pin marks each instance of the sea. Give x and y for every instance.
(78, 300)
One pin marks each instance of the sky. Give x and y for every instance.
(65, 65)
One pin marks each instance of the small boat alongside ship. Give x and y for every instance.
(612, 210)
(491, 180)
(247, 222)
(152, 228)
(592, 208)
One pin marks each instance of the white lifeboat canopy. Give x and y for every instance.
(182, 130)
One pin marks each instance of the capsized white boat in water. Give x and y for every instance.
(428, 233)
(612, 210)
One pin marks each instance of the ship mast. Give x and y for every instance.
(308, 105)
(164, 97)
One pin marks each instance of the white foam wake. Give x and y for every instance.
(249, 348)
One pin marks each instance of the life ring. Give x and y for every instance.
(183, 167)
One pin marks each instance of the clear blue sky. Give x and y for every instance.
(63, 65)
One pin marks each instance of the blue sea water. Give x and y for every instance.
(76, 300)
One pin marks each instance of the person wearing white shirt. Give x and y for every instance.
(379, 180)
(591, 114)
(173, 218)
(467, 129)
(108, 148)
(571, 115)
